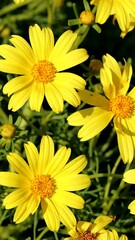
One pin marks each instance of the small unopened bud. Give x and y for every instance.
(87, 17)
(95, 66)
(7, 131)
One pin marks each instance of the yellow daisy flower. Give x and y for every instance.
(129, 177)
(47, 179)
(120, 9)
(89, 230)
(117, 105)
(41, 66)
(114, 236)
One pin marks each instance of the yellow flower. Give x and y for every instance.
(89, 230)
(47, 179)
(120, 9)
(114, 236)
(129, 177)
(41, 66)
(117, 105)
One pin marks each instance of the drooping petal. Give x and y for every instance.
(36, 96)
(95, 123)
(129, 176)
(16, 84)
(50, 214)
(32, 156)
(46, 153)
(16, 198)
(54, 98)
(58, 161)
(70, 199)
(19, 165)
(13, 180)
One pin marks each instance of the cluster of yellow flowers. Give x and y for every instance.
(48, 178)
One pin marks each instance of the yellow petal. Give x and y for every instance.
(75, 166)
(16, 84)
(95, 123)
(78, 118)
(19, 98)
(71, 59)
(93, 99)
(46, 153)
(129, 176)
(20, 166)
(54, 98)
(21, 213)
(72, 182)
(50, 214)
(16, 198)
(32, 156)
(131, 206)
(65, 214)
(63, 45)
(59, 160)
(103, 10)
(70, 199)
(101, 222)
(13, 180)
(36, 96)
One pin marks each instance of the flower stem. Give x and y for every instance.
(42, 233)
(56, 236)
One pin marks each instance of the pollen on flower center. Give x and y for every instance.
(122, 106)
(87, 236)
(43, 186)
(43, 71)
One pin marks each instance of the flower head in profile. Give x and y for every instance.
(40, 68)
(117, 104)
(129, 177)
(48, 179)
(120, 9)
(113, 235)
(90, 231)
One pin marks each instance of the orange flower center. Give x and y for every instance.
(122, 106)
(43, 186)
(87, 236)
(43, 71)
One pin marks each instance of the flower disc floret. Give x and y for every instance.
(87, 236)
(122, 106)
(43, 186)
(43, 71)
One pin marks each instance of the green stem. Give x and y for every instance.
(98, 175)
(42, 233)
(35, 226)
(56, 236)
